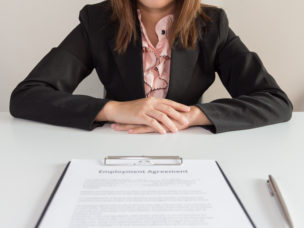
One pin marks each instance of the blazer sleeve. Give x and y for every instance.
(45, 95)
(256, 101)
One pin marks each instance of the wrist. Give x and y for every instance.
(197, 117)
(107, 112)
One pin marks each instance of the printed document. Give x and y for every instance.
(194, 194)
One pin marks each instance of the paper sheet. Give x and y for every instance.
(194, 194)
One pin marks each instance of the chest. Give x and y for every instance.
(152, 36)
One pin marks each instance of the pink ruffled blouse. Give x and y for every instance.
(156, 60)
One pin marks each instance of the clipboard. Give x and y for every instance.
(141, 161)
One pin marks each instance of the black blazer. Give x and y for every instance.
(45, 95)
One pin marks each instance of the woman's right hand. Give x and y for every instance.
(147, 111)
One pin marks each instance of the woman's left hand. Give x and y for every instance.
(195, 117)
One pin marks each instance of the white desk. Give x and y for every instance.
(33, 155)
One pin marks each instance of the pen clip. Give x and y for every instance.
(270, 187)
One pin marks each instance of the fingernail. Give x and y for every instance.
(130, 131)
(186, 121)
(112, 125)
(164, 131)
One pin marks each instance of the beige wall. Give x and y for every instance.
(272, 28)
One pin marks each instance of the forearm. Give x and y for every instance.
(44, 104)
(246, 112)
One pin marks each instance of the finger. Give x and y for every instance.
(171, 112)
(155, 125)
(176, 105)
(141, 130)
(123, 127)
(164, 119)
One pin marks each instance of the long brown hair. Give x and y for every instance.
(184, 26)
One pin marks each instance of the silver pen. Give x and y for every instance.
(274, 191)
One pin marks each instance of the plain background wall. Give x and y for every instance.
(272, 28)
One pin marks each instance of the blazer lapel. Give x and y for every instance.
(183, 62)
(182, 65)
(130, 65)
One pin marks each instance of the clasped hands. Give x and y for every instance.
(151, 115)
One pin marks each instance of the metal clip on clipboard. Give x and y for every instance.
(142, 160)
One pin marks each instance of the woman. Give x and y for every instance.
(155, 59)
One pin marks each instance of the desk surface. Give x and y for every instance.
(33, 155)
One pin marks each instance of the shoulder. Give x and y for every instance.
(216, 14)
(96, 15)
(217, 27)
(212, 11)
